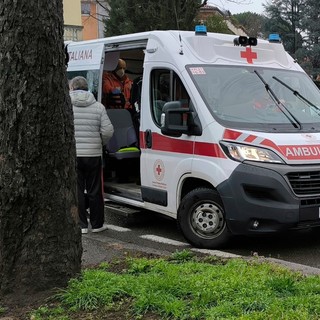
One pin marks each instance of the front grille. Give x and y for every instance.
(305, 183)
(310, 202)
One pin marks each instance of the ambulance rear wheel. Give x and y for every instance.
(201, 219)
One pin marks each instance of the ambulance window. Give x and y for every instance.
(160, 92)
(180, 92)
(92, 77)
(166, 86)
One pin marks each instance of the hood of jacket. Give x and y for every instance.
(81, 98)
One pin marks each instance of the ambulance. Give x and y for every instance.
(227, 140)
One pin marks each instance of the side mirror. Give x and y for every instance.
(177, 120)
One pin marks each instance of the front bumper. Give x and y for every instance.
(259, 199)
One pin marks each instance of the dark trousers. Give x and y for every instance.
(89, 170)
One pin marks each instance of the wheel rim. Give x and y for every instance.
(207, 220)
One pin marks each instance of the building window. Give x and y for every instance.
(73, 33)
(85, 8)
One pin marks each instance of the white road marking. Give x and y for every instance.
(163, 240)
(158, 239)
(117, 228)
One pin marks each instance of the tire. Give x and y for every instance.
(202, 220)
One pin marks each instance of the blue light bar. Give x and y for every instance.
(201, 30)
(274, 37)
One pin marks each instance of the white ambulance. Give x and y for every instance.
(228, 132)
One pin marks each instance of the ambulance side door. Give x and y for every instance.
(164, 159)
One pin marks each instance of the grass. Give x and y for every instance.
(2, 310)
(184, 286)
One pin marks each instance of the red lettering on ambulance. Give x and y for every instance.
(303, 152)
(80, 55)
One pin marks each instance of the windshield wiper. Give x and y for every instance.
(293, 120)
(297, 94)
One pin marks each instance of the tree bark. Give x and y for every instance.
(40, 240)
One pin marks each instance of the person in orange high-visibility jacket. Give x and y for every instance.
(117, 88)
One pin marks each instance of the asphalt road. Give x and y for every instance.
(151, 232)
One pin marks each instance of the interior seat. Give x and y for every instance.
(124, 142)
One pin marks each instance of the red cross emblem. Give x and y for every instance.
(249, 55)
(158, 169)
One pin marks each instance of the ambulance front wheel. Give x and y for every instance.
(201, 219)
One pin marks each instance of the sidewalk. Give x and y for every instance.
(98, 248)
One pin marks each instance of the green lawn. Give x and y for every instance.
(185, 286)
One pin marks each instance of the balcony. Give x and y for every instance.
(72, 33)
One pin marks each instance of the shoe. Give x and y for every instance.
(84, 230)
(104, 227)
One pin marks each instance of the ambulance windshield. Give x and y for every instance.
(260, 99)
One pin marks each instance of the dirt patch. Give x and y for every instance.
(19, 307)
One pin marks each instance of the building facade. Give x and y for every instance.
(93, 15)
(85, 19)
(72, 20)
(207, 11)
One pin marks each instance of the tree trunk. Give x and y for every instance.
(40, 241)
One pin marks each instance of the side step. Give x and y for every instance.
(125, 211)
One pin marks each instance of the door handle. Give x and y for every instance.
(148, 138)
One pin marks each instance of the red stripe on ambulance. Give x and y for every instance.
(208, 149)
(250, 138)
(162, 143)
(167, 144)
(291, 152)
(231, 135)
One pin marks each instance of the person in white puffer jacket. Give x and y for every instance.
(93, 129)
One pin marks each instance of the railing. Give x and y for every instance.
(72, 33)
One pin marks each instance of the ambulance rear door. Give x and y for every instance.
(86, 59)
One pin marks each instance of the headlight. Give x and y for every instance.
(240, 152)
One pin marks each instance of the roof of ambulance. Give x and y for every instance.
(157, 33)
(214, 48)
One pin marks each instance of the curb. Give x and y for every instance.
(99, 248)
